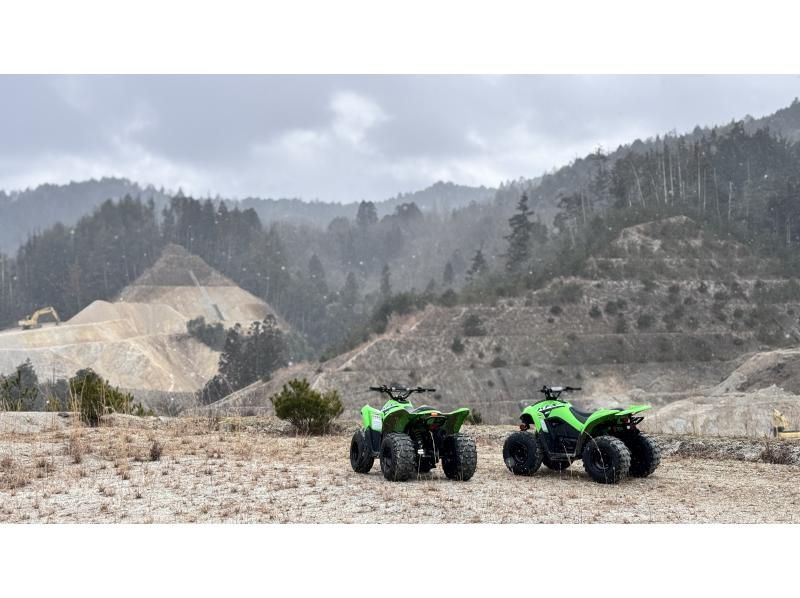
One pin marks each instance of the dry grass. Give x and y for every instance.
(244, 473)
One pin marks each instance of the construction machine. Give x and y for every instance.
(780, 427)
(32, 321)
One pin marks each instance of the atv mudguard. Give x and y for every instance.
(398, 419)
(586, 427)
(371, 418)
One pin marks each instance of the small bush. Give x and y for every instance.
(648, 285)
(595, 312)
(645, 322)
(556, 310)
(93, 396)
(571, 292)
(449, 298)
(155, 450)
(475, 417)
(611, 308)
(458, 346)
(621, 327)
(473, 326)
(309, 411)
(499, 362)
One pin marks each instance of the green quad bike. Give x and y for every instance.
(607, 440)
(411, 441)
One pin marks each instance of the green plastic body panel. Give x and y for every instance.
(563, 412)
(396, 417)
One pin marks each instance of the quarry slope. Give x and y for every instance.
(139, 341)
(665, 315)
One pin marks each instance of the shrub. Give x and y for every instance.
(499, 362)
(93, 396)
(449, 298)
(309, 411)
(648, 285)
(571, 292)
(556, 310)
(621, 327)
(595, 312)
(155, 450)
(645, 322)
(473, 326)
(611, 308)
(458, 346)
(211, 335)
(475, 417)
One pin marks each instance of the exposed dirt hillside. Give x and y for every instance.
(626, 331)
(139, 341)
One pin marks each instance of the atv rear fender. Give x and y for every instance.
(397, 420)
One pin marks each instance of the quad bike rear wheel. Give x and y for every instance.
(361, 458)
(522, 453)
(606, 459)
(459, 457)
(398, 462)
(645, 455)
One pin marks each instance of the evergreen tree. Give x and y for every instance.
(519, 240)
(479, 265)
(386, 283)
(317, 273)
(367, 215)
(349, 292)
(449, 275)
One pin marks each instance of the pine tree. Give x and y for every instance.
(479, 265)
(519, 240)
(367, 215)
(317, 273)
(449, 275)
(386, 282)
(350, 291)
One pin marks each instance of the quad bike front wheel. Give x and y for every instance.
(522, 453)
(459, 457)
(606, 459)
(398, 462)
(645, 455)
(361, 458)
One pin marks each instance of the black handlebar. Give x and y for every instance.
(391, 389)
(400, 393)
(559, 389)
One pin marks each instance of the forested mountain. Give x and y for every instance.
(23, 213)
(438, 198)
(34, 210)
(337, 281)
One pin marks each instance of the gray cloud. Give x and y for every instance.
(344, 138)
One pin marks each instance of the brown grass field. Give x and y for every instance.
(255, 471)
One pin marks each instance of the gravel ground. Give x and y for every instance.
(253, 471)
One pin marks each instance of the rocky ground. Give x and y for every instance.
(132, 470)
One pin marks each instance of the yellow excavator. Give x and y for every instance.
(780, 425)
(32, 321)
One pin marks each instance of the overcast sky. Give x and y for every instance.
(345, 138)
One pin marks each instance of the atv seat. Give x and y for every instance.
(581, 416)
(422, 408)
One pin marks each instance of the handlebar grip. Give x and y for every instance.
(573, 388)
(376, 388)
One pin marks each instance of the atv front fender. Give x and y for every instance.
(371, 418)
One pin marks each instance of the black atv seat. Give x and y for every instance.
(581, 416)
(422, 408)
